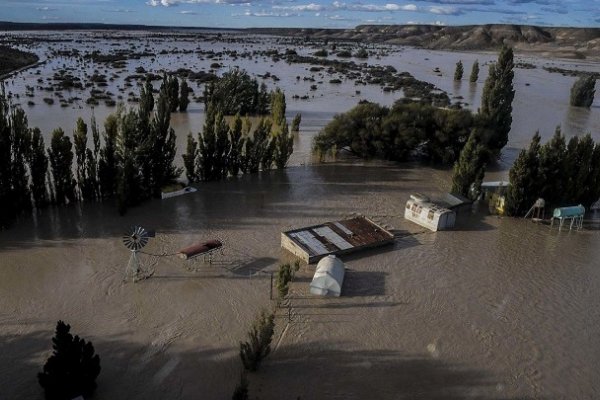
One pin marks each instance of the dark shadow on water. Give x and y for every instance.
(363, 283)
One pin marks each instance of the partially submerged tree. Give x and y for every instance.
(470, 168)
(258, 345)
(496, 102)
(61, 161)
(458, 72)
(184, 96)
(72, 369)
(582, 92)
(474, 72)
(241, 390)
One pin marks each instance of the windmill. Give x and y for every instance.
(135, 239)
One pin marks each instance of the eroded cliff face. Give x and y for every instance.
(558, 42)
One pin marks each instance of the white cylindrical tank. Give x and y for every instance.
(329, 277)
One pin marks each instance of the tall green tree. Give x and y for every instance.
(38, 167)
(184, 96)
(189, 159)
(583, 90)
(524, 178)
(284, 146)
(161, 147)
(237, 146)
(61, 161)
(496, 102)
(258, 345)
(108, 163)
(146, 98)
(129, 189)
(459, 71)
(551, 169)
(173, 92)
(469, 170)
(86, 164)
(207, 142)
(19, 175)
(474, 72)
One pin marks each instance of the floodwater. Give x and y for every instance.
(496, 309)
(541, 100)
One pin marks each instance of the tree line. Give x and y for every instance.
(222, 150)
(131, 160)
(560, 172)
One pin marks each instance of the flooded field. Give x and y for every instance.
(497, 309)
(541, 100)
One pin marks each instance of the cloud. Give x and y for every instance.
(374, 7)
(186, 12)
(507, 11)
(440, 10)
(271, 14)
(47, 9)
(302, 7)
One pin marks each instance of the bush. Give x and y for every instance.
(258, 346)
(582, 92)
(321, 53)
(72, 368)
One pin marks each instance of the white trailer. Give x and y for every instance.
(429, 215)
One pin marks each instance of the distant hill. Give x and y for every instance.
(557, 42)
(545, 41)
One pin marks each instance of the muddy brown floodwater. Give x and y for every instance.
(498, 308)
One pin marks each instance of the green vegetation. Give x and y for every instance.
(470, 167)
(321, 53)
(13, 59)
(184, 99)
(72, 369)
(474, 72)
(237, 93)
(258, 345)
(496, 103)
(224, 150)
(362, 53)
(560, 173)
(458, 72)
(407, 129)
(582, 92)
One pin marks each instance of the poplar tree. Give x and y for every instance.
(222, 148)
(189, 159)
(146, 98)
(496, 102)
(207, 146)
(129, 186)
(38, 167)
(237, 145)
(108, 162)
(469, 170)
(551, 168)
(524, 178)
(20, 147)
(86, 169)
(184, 99)
(284, 146)
(474, 72)
(61, 161)
(173, 92)
(458, 72)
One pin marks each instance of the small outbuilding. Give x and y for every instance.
(329, 277)
(429, 215)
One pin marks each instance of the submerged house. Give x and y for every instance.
(420, 210)
(329, 277)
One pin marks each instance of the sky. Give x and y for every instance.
(298, 13)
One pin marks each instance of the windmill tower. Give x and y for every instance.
(135, 239)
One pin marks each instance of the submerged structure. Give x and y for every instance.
(420, 210)
(494, 194)
(574, 214)
(329, 277)
(341, 237)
